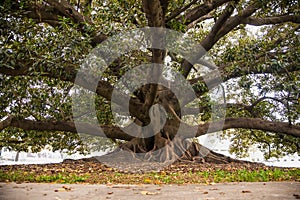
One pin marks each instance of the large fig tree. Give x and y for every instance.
(253, 44)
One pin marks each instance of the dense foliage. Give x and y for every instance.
(255, 45)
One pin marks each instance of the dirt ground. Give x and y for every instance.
(232, 191)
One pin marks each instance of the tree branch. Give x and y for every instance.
(265, 98)
(228, 26)
(271, 20)
(246, 123)
(185, 65)
(231, 23)
(293, 67)
(69, 74)
(205, 17)
(264, 125)
(50, 12)
(69, 11)
(201, 109)
(181, 10)
(43, 13)
(221, 20)
(202, 10)
(109, 131)
(6, 122)
(115, 132)
(104, 88)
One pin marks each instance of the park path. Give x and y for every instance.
(232, 191)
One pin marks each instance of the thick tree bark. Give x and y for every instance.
(112, 132)
(116, 133)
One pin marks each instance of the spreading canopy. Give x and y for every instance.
(254, 44)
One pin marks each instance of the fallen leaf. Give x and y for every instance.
(205, 192)
(59, 190)
(297, 196)
(66, 188)
(246, 191)
(163, 173)
(144, 192)
(148, 193)
(147, 180)
(110, 193)
(210, 183)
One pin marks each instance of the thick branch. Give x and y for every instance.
(202, 10)
(228, 26)
(205, 17)
(69, 74)
(103, 89)
(231, 23)
(216, 34)
(181, 10)
(221, 20)
(212, 82)
(245, 69)
(112, 132)
(271, 20)
(246, 123)
(43, 13)
(6, 122)
(264, 125)
(49, 13)
(186, 66)
(69, 11)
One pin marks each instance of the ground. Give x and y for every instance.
(232, 191)
(89, 179)
(91, 171)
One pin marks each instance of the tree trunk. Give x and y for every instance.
(166, 146)
(166, 150)
(134, 157)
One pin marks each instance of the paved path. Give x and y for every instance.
(37, 191)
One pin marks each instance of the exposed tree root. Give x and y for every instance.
(165, 150)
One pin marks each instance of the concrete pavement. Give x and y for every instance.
(232, 191)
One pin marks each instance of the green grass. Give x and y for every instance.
(216, 176)
(20, 176)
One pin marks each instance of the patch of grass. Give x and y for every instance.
(252, 176)
(20, 176)
(163, 177)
